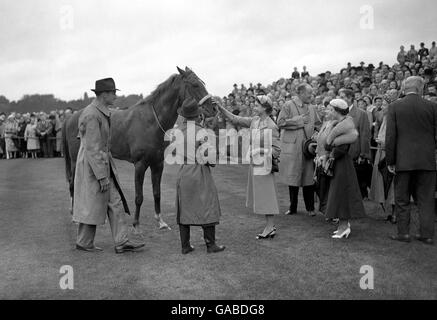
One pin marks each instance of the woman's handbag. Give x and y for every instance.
(329, 167)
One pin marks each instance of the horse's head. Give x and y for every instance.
(195, 88)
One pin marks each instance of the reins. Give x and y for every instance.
(202, 101)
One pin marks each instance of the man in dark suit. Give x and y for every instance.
(360, 150)
(410, 153)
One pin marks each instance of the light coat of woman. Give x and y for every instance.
(261, 191)
(31, 137)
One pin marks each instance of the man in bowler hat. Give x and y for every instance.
(97, 191)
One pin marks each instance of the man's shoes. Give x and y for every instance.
(289, 213)
(402, 238)
(425, 240)
(311, 213)
(90, 249)
(214, 248)
(128, 246)
(187, 250)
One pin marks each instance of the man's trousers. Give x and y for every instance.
(117, 221)
(420, 184)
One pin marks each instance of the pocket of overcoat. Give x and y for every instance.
(290, 148)
(288, 138)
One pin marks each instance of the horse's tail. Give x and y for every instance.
(67, 157)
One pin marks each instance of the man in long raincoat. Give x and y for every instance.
(97, 191)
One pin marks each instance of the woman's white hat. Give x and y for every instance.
(339, 103)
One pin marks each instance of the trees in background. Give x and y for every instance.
(48, 102)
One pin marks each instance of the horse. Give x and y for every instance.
(137, 134)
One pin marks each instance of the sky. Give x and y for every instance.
(63, 46)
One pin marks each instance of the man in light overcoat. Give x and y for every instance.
(97, 191)
(297, 121)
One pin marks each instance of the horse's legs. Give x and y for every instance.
(140, 169)
(156, 183)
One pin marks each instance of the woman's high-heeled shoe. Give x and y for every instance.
(345, 233)
(348, 225)
(271, 234)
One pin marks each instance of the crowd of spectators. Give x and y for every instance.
(39, 134)
(32, 135)
(371, 89)
(372, 85)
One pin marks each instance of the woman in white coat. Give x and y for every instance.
(261, 187)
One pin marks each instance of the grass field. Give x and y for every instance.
(37, 237)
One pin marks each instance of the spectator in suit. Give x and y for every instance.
(412, 55)
(433, 51)
(44, 128)
(423, 52)
(410, 152)
(304, 72)
(402, 56)
(22, 145)
(52, 136)
(295, 74)
(362, 104)
(360, 150)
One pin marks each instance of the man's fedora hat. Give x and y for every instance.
(103, 85)
(189, 109)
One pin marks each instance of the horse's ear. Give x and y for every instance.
(187, 69)
(182, 72)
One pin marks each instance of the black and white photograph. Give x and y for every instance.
(218, 155)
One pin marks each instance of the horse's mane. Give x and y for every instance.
(158, 93)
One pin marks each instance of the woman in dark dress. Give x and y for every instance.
(344, 197)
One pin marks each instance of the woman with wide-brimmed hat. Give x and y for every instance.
(197, 202)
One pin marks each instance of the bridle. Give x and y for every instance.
(201, 102)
